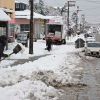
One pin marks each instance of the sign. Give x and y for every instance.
(71, 3)
(56, 20)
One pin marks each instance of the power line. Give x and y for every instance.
(91, 1)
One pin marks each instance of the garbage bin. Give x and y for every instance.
(79, 43)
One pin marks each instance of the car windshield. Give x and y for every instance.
(93, 44)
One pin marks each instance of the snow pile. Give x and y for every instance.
(6, 63)
(29, 90)
(8, 77)
(56, 69)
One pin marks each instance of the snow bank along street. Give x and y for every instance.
(36, 80)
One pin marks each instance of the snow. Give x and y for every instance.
(4, 16)
(22, 1)
(26, 14)
(37, 79)
(27, 90)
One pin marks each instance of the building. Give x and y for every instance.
(22, 14)
(7, 8)
(23, 22)
(20, 6)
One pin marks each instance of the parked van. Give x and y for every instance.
(56, 30)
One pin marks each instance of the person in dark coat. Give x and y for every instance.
(69, 33)
(49, 43)
(3, 41)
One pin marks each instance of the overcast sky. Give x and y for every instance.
(91, 8)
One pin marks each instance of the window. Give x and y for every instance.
(25, 27)
(17, 5)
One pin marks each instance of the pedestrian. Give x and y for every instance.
(69, 32)
(3, 41)
(49, 43)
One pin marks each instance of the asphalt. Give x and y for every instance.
(89, 87)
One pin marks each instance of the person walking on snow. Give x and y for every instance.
(49, 44)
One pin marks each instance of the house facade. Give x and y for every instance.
(23, 21)
(7, 8)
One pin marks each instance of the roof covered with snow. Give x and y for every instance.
(26, 14)
(22, 1)
(4, 16)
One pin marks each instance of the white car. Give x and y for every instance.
(92, 49)
(90, 39)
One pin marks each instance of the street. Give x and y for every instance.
(90, 88)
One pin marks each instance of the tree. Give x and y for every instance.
(41, 7)
(74, 17)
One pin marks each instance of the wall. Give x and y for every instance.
(8, 4)
(38, 26)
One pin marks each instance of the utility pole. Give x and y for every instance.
(69, 4)
(31, 27)
(77, 11)
(7, 30)
(68, 15)
(83, 21)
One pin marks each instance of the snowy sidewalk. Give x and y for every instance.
(22, 61)
(37, 79)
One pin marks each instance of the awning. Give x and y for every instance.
(4, 16)
(12, 21)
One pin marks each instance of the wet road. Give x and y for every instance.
(91, 77)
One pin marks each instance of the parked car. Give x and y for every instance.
(55, 39)
(22, 37)
(92, 49)
(89, 38)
